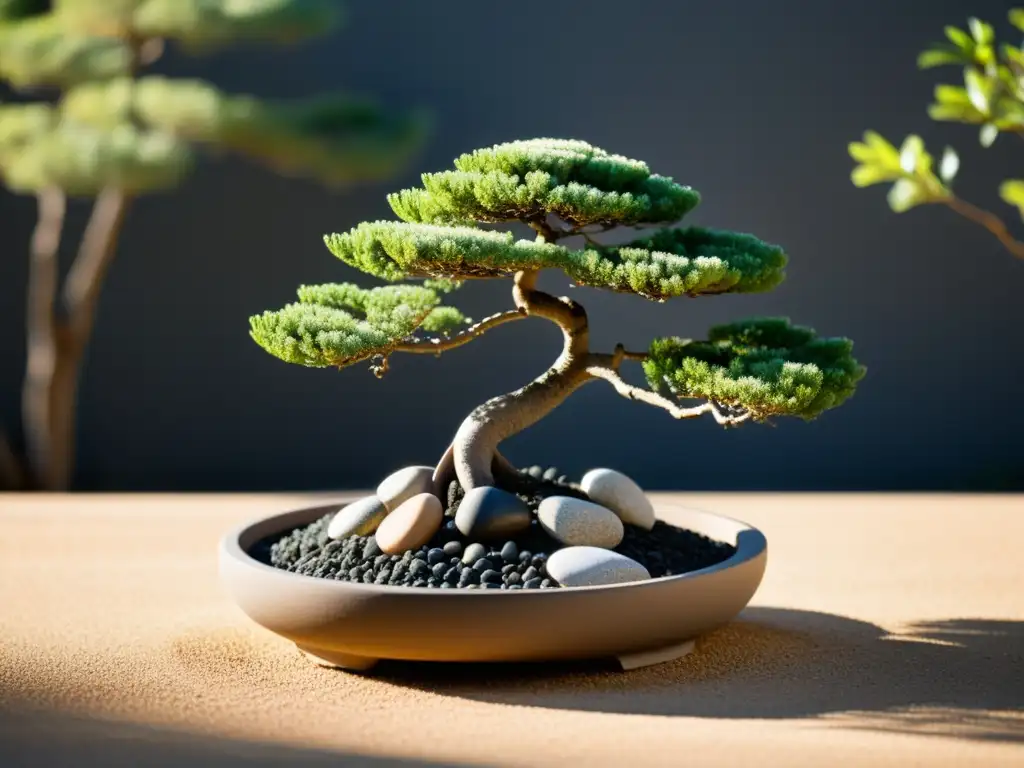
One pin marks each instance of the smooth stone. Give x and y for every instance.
(488, 513)
(435, 556)
(411, 525)
(483, 564)
(473, 553)
(398, 487)
(453, 549)
(621, 495)
(593, 566)
(510, 552)
(490, 577)
(360, 518)
(578, 523)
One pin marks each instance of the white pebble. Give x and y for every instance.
(575, 522)
(621, 495)
(402, 485)
(593, 566)
(360, 518)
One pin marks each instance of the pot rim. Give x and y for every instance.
(750, 544)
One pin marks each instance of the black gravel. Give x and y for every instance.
(664, 551)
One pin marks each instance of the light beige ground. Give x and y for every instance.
(889, 631)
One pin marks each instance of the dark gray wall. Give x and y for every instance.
(753, 103)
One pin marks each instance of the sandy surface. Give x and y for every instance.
(889, 631)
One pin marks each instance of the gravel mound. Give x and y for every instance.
(450, 562)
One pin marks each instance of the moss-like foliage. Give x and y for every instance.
(339, 324)
(760, 367)
(579, 183)
(764, 365)
(673, 262)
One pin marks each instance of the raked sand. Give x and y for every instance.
(889, 631)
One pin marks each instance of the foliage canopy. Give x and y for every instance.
(563, 189)
(111, 127)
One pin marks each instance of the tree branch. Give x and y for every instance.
(567, 314)
(639, 394)
(477, 439)
(989, 221)
(41, 334)
(545, 230)
(97, 250)
(436, 345)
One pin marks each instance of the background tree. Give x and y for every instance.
(102, 129)
(753, 369)
(992, 97)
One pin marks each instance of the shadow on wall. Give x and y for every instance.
(50, 739)
(962, 678)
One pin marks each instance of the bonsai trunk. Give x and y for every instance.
(476, 442)
(56, 342)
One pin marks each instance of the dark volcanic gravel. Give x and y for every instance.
(664, 551)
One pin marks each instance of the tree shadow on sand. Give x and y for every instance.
(961, 677)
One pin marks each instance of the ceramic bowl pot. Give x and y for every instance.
(351, 625)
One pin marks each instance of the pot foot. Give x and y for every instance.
(337, 660)
(630, 661)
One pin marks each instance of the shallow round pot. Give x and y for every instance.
(353, 625)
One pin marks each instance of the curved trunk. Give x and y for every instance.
(476, 443)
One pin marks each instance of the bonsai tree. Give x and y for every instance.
(103, 130)
(992, 97)
(749, 370)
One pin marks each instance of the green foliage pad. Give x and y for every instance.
(762, 365)
(340, 324)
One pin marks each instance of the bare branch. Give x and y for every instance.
(436, 345)
(989, 221)
(632, 392)
(729, 419)
(545, 230)
(625, 354)
(569, 315)
(639, 394)
(85, 279)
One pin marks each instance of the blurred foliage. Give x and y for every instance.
(992, 97)
(108, 126)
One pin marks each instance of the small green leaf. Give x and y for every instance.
(960, 39)
(949, 165)
(979, 89)
(905, 194)
(911, 153)
(1012, 191)
(983, 33)
(866, 175)
(1012, 54)
(937, 57)
(988, 134)
(1016, 17)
